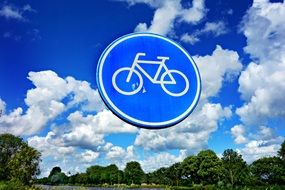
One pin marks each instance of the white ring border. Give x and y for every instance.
(127, 117)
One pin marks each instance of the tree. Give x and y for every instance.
(189, 169)
(160, 176)
(174, 173)
(268, 170)
(281, 152)
(18, 161)
(81, 178)
(9, 146)
(54, 171)
(24, 165)
(94, 174)
(133, 173)
(210, 167)
(58, 178)
(235, 167)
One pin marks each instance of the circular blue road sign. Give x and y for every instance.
(148, 80)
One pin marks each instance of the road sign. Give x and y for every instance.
(148, 80)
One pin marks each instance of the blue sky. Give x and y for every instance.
(48, 95)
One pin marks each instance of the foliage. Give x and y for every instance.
(202, 171)
(133, 173)
(109, 174)
(281, 152)
(269, 170)
(236, 170)
(210, 167)
(9, 145)
(174, 173)
(205, 168)
(54, 171)
(19, 161)
(190, 167)
(23, 166)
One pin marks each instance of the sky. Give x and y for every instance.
(48, 94)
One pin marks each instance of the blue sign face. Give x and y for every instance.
(148, 80)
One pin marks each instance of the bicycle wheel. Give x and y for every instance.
(174, 93)
(134, 88)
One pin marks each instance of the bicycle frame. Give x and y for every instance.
(161, 64)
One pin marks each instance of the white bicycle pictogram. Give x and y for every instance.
(135, 68)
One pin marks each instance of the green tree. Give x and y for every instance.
(160, 176)
(54, 171)
(58, 178)
(210, 167)
(174, 173)
(9, 146)
(133, 173)
(268, 170)
(236, 170)
(189, 169)
(281, 152)
(24, 165)
(113, 172)
(81, 178)
(94, 174)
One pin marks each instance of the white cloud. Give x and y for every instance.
(2, 106)
(238, 132)
(192, 134)
(222, 65)
(214, 28)
(195, 13)
(261, 143)
(187, 38)
(163, 19)
(88, 156)
(49, 147)
(89, 131)
(45, 102)
(162, 159)
(167, 13)
(12, 12)
(262, 82)
(256, 149)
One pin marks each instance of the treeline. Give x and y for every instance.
(19, 163)
(205, 168)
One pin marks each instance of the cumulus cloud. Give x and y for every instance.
(119, 155)
(263, 143)
(256, 149)
(222, 65)
(192, 134)
(88, 156)
(167, 13)
(49, 147)
(162, 159)
(238, 132)
(262, 82)
(45, 102)
(89, 131)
